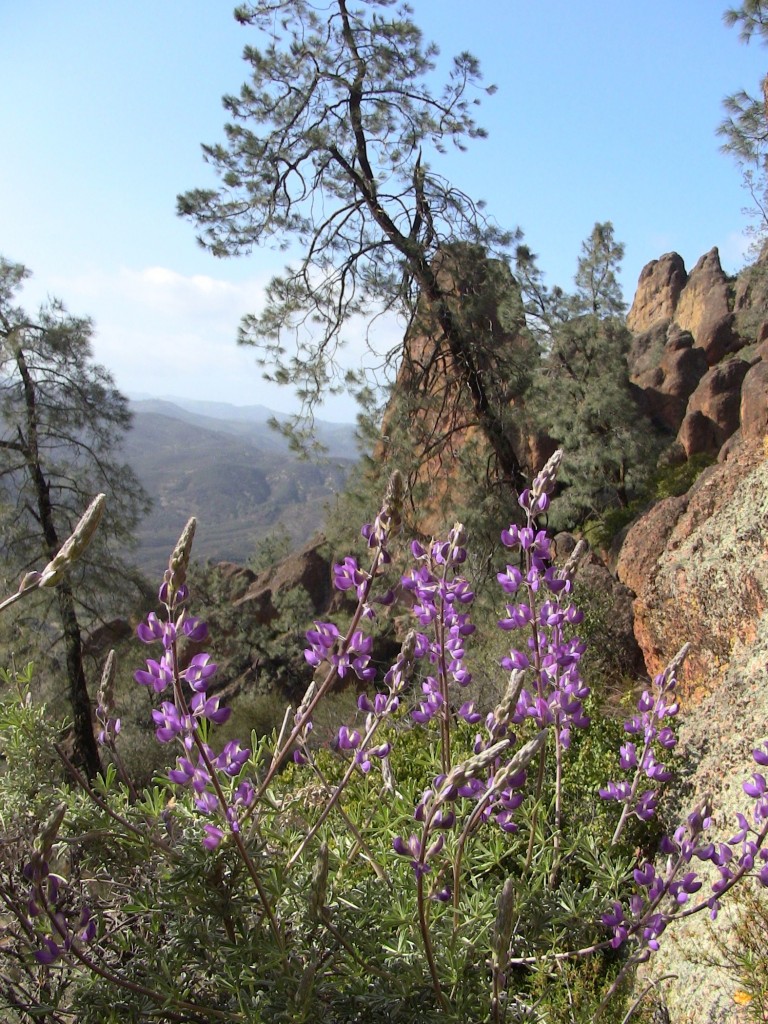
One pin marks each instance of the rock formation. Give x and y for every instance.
(432, 421)
(658, 292)
(683, 325)
(698, 563)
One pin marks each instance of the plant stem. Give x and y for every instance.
(428, 951)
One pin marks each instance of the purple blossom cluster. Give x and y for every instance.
(665, 893)
(58, 928)
(441, 600)
(545, 689)
(351, 653)
(44, 904)
(183, 719)
(544, 613)
(640, 756)
(493, 781)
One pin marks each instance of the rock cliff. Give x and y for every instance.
(698, 563)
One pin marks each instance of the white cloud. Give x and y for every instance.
(161, 332)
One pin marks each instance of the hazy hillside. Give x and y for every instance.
(235, 475)
(249, 422)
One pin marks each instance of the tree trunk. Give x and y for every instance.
(86, 752)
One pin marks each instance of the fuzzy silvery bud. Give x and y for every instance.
(502, 930)
(545, 481)
(570, 568)
(521, 759)
(306, 700)
(179, 560)
(50, 830)
(106, 695)
(470, 768)
(677, 661)
(73, 548)
(508, 702)
(30, 580)
(393, 502)
(387, 776)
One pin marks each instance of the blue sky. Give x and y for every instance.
(605, 110)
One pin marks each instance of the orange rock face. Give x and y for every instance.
(699, 567)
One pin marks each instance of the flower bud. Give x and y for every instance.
(73, 548)
(50, 830)
(502, 930)
(106, 694)
(179, 560)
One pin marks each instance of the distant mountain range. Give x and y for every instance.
(224, 464)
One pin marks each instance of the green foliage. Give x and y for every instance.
(259, 650)
(188, 938)
(744, 128)
(270, 550)
(674, 480)
(667, 481)
(62, 420)
(582, 397)
(61, 425)
(31, 769)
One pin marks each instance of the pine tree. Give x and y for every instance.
(745, 126)
(328, 147)
(61, 423)
(583, 397)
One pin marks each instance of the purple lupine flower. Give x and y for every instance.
(646, 805)
(346, 740)
(380, 705)
(199, 672)
(158, 674)
(208, 707)
(510, 580)
(187, 774)
(431, 703)
(756, 788)
(51, 951)
(349, 576)
(614, 920)
(245, 794)
(170, 723)
(194, 629)
(153, 629)
(212, 836)
(615, 791)
(468, 712)
(232, 759)
(356, 656)
(413, 849)
(322, 639)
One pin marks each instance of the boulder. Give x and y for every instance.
(308, 568)
(238, 577)
(646, 351)
(658, 290)
(704, 309)
(699, 567)
(668, 384)
(108, 634)
(712, 414)
(706, 581)
(754, 402)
